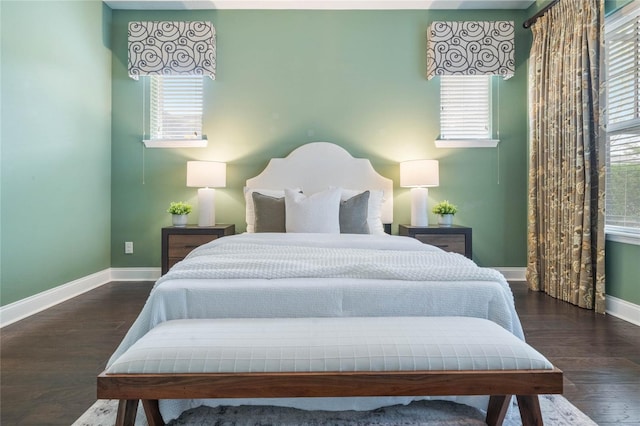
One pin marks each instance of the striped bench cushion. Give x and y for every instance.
(328, 344)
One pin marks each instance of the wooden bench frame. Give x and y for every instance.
(500, 384)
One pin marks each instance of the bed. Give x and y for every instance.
(318, 272)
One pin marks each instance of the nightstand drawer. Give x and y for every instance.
(179, 241)
(454, 238)
(181, 245)
(454, 242)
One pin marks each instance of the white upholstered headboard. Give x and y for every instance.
(315, 166)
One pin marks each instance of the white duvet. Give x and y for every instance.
(321, 275)
(256, 258)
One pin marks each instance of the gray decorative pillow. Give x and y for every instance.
(269, 213)
(353, 214)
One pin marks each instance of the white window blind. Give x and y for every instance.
(465, 110)
(622, 38)
(176, 107)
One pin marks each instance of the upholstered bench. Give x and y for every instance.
(329, 357)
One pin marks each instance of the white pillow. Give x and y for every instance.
(250, 210)
(319, 212)
(374, 216)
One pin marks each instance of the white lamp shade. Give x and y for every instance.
(203, 174)
(419, 173)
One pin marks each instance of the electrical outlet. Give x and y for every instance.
(128, 247)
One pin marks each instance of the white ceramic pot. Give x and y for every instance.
(445, 219)
(179, 219)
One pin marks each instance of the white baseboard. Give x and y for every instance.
(39, 302)
(135, 274)
(622, 309)
(512, 273)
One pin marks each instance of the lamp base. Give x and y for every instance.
(206, 207)
(419, 204)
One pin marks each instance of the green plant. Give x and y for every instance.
(179, 208)
(445, 207)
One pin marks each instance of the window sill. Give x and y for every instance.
(620, 236)
(466, 143)
(175, 143)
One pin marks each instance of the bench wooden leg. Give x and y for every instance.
(152, 411)
(127, 409)
(497, 409)
(530, 410)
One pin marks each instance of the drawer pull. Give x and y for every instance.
(443, 246)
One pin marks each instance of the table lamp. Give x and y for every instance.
(419, 175)
(206, 175)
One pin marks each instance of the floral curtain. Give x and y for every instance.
(567, 155)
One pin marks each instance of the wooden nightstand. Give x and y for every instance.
(178, 241)
(452, 238)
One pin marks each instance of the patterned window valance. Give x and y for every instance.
(172, 48)
(471, 48)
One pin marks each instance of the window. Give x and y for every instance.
(465, 111)
(622, 67)
(175, 111)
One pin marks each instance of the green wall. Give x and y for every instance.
(84, 184)
(286, 78)
(623, 271)
(611, 6)
(56, 144)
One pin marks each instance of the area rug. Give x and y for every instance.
(556, 411)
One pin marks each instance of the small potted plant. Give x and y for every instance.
(179, 211)
(445, 211)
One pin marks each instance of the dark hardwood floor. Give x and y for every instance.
(49, 361)
(599, 355)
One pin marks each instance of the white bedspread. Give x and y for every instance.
(226, 259)
(321, 275)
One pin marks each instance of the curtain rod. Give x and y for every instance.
(529, 22)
